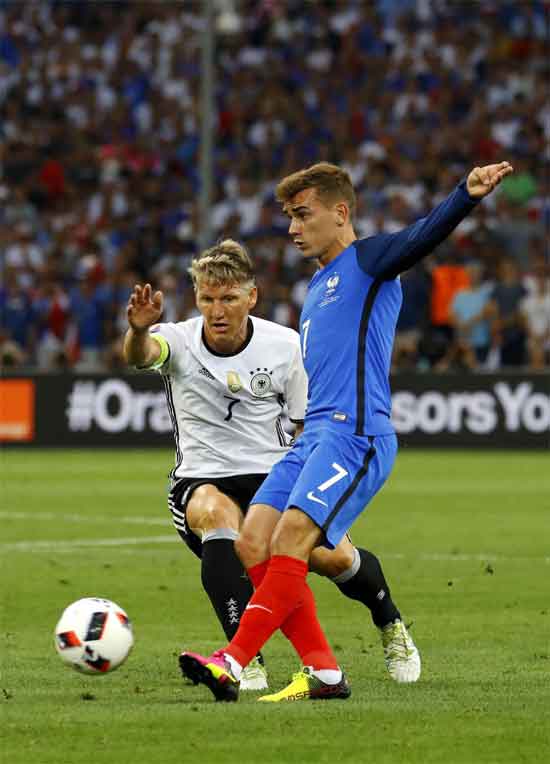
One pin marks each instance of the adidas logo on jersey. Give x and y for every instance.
(205, 373)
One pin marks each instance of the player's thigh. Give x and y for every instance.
(340, 478)
(255, 536)
(332, 562)
(209, 508)
(278, 485)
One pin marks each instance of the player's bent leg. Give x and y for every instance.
(359, 576)
(295, 536)
(253, 544)
(209, 509)
(340, 562)
(216, 518)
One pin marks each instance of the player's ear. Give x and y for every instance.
(341, 213)
(252, 298)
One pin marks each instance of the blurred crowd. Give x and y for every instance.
(99, 162)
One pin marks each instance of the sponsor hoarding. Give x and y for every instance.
(494, 411)
(17, 414)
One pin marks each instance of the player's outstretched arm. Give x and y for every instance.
(144, 309)
(387, 255)
(482, 180)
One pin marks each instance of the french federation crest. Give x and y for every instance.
(234, 381)
(260, 384)
(332, 283)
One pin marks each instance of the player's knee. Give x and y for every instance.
(331, 562)
(209, 509)
(295, 535)
(251, 549)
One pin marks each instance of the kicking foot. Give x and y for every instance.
(213, 671)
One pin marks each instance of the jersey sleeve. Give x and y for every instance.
(173, 347)
(296, 386)
(385, 256)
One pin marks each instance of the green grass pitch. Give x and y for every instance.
(465, 541)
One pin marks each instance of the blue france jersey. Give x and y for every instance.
(349, 316)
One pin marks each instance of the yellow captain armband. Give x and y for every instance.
(164, 352)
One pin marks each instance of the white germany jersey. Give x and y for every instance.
(227, 410)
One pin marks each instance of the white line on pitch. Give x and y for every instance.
(59, 546)
(133, 541)
(76, 518)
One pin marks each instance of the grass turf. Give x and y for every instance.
(464, 539)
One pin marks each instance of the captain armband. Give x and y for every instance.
(164, 353)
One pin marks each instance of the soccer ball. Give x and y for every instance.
(94, 635)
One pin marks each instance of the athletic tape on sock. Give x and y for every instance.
(220, 533)
(348, 574)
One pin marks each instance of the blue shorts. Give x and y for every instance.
(331, 476)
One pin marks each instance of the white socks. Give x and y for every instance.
(235, 666)
(328, 676)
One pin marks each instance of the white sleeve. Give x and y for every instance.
(175, 337)
(296, 386)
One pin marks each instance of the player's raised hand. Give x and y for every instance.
(482, 180)
(144, 307)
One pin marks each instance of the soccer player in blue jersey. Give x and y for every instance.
(346, 452)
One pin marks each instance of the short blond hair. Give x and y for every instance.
(332, 183)
(227, 262)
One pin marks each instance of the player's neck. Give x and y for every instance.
(341, 243)
(229, 345)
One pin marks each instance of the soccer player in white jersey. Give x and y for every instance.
(228, 376)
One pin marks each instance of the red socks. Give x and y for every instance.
(282, 600)
(257, 572)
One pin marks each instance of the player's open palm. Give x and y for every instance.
(482, 180)
(144, 307)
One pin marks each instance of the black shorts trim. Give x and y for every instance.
(240, 488)
(352, 487)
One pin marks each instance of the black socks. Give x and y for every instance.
(225, 581)
(369, 586)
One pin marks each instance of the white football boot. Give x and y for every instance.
(400, 653)
(254, 676)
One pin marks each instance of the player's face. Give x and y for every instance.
(225, 308)
(315, 227)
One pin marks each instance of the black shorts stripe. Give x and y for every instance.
(173, 417)
(239, 488)
(360, 372)
(352, 487)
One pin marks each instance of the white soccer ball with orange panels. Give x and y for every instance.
(94, 635)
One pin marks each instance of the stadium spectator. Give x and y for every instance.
(448, 278)
(471, 314)
(535, 313)
(413, 318)
(89, 306)
(506, 297)
(99, 139)
(18, 320)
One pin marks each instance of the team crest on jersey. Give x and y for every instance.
(260, 384)
(331, 285)
(234, 382)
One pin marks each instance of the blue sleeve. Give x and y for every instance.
(386, 255)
